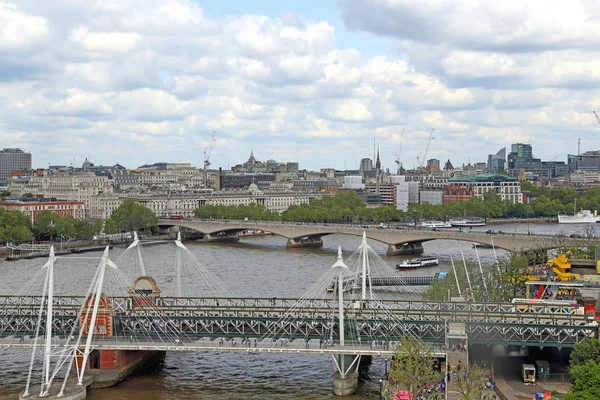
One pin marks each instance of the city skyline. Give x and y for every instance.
(312, 82)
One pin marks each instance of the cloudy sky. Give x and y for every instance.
(312, 81)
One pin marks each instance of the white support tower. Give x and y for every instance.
(97, 290)
(140, 260)
(48, 300)
(178, 265)
(366, 269)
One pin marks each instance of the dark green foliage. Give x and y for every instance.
(252, 211)
(14, 227)
(585, 351)
(131, 216)
(344, 207)
(586, 382)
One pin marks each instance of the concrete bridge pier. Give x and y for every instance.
(220, 238)
(345, 384)
(401, 249)
(305, 242)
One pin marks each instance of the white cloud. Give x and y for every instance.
(161, 76)
(105, 41)
(19, 30)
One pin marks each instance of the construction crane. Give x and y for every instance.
(597, 117)
(422, 161)
(207, 152)
(397, 160)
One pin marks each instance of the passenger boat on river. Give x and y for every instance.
(415, 263)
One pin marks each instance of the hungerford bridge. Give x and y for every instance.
(117, 330)
(405, 241)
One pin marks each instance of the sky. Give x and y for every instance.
(316, 82)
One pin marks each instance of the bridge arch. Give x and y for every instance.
(403, 241)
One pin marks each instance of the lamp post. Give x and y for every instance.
(385, 360)
(381, 389)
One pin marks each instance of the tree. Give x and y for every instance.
(413, 366)
(507, 277)
(5, 193)
(28, 195)
(65, 227)
(133, 216)
(586, 382)
(44, 226)
(587, 350)
(472, 387)
(14, 227)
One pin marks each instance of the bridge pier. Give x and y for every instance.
(220, 238)
(345, 384)
(305, 242)
(401, 249)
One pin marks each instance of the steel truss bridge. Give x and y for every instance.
(206, 319)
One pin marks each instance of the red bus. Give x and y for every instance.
(177, 217)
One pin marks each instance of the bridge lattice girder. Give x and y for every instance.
(258, 318)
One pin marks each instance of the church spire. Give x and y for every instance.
(378, 163)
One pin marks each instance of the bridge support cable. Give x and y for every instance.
(369, 267)
(481, 272)
(49, 318)
(456, 277)
(37, 333)
(68, 357)
(193, 279)
(91, 330)
(467, 275)
(136, 244)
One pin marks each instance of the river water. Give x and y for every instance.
(254, 267)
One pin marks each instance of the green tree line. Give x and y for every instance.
(344, 207)
(17, 228)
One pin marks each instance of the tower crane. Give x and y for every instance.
(597, 117)
(422, 161)
(397, 160)
(207, 152)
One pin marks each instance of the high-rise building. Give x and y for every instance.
(522, 150)
(13, 160)
(496, 162)
(521, 158)
(366, 164)
(433, 164)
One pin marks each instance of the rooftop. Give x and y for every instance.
(484, 178)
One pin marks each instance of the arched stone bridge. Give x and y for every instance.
(405, 241)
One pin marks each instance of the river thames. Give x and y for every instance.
(253, 267)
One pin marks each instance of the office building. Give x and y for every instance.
(13, 160)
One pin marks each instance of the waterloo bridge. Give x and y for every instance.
(117, 333)
(399, 241)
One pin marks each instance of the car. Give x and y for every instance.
(490, 232)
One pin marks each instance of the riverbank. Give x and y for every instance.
(541, 220)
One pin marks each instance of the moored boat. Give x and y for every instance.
(435, 224)
(414, 263)
(467, 221)
(582, 217)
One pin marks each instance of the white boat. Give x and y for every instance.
(582, 217)
(467, 221)
(435, 224)
(417, 263)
